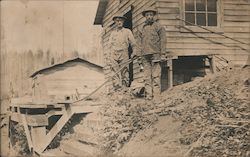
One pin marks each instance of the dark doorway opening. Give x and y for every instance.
(186, 68)
(129, 24)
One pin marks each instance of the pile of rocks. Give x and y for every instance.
(215, 115)
(214, 111)
(123, 117)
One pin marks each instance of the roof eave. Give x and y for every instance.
(100, 12)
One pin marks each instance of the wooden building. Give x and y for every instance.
(67, 81)
(58, 92)
(196, 30)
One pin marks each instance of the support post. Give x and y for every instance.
(170, 73)
(27, 133)
(38, 135)
(212, 64)
(57, 128)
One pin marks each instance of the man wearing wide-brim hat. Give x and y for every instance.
(119, 41)
(153, 45)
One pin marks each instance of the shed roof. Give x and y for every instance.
(78, 59)
(100, 12)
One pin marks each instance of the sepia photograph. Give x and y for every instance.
(125, 78)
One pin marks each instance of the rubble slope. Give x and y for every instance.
(206, 117)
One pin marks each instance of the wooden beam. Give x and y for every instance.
(37, 135)
(31, 120)
(27, 132)
(170, 73)
(38, 105)
(56, 128)
(212, 63)
(54, 113)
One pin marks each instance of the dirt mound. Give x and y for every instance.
(210, 116)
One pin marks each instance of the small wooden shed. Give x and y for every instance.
(196, 30)
(67, 81)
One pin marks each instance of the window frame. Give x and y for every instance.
(189, 28)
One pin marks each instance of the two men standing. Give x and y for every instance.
(152, 41)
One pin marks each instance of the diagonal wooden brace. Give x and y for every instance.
(67, 114)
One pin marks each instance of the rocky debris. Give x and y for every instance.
(18, 140)
(123, 117)
(220, 124)
(214, 112)
(213, 115)
(82, 139)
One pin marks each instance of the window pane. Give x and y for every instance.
(200, 5)
(212, 19)
(190, 18)
(211, 5)
(201, 19)
(189, 5)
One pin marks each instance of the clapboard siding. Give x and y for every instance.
(69, 79)
(235, 24)
(113, 7)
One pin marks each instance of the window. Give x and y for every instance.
(201, 12)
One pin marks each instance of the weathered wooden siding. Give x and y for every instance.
(115, 6)
(235, 23)
(72, 79)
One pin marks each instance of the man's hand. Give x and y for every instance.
(166, 55)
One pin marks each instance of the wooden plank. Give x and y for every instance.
(237, 18)
(207, 46)
(196, 40)
(236, 23)
(168, 16)
(37, 135)
(212, 64)
(54, 113)
(170, 73)
(237, 7)
(30, 120)
(237, 29)
(235, 12)
(169, 10)
(110, 10)
(27, 132)
(166, 4)
(207, 35)
(56, 128)
(190, 52)
(244, 2)
(38, 105)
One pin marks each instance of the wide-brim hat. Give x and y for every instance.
(119, 16)
(150, 9)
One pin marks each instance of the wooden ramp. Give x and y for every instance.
(84, 141)
(35, 120)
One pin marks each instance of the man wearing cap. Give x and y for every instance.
(152, 38)
(119, 42)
